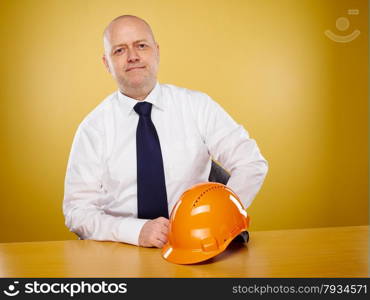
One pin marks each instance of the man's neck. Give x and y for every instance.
(137, 94)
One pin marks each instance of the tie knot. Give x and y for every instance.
(143, 108)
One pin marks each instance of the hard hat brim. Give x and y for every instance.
(186, 256)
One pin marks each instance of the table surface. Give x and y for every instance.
(319, 252)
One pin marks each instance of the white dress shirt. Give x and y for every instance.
(100, 199)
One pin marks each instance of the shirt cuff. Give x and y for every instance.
(129, 230)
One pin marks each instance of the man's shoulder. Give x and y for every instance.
(187, 99)
(99, 112)
(182, 92)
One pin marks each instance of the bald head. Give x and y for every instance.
(122, 21)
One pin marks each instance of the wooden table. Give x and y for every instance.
(320, 252)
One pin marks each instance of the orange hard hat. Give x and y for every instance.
(204, 221)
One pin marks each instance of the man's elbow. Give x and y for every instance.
(264, 167)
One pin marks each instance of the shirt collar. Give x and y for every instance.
(154, 98)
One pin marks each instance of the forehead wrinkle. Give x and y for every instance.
(134, 42)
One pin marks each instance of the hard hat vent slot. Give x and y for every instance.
(205, 192)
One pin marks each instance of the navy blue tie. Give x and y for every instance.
(151, 184)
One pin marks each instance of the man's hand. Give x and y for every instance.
(154, 233)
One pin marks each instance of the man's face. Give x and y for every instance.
(131, 55)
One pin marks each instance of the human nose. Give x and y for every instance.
(132, 55)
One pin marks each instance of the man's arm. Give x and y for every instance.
(230, 144)
(85, 193)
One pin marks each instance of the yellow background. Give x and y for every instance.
(302, 96)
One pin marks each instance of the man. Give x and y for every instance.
(144, 145)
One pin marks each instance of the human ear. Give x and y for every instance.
(105, 61)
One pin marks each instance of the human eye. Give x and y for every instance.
(118, 51)
(142, 46)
